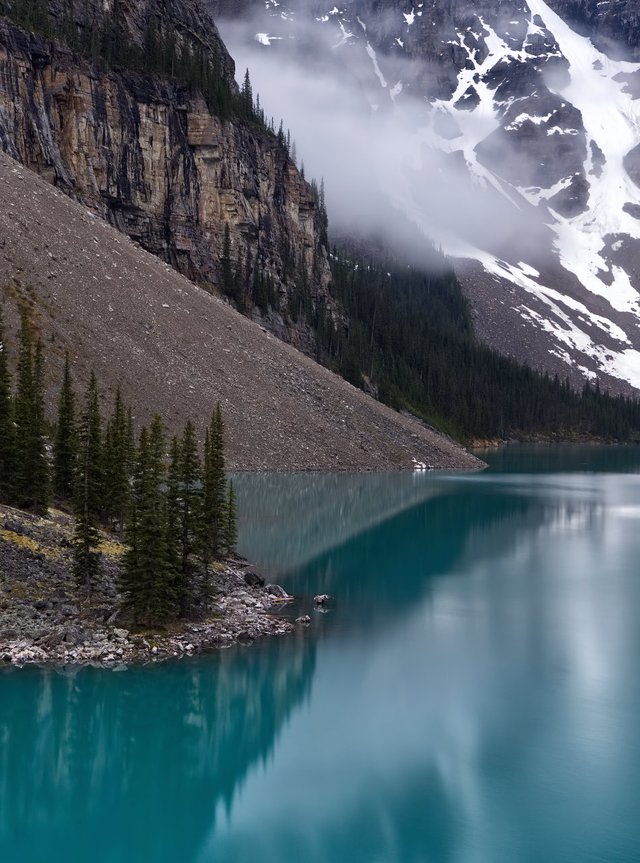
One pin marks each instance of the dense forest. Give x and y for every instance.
(175, 512)
(410, 338)
(163, 51)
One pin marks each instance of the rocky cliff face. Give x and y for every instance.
(614, 25)
(146, 153)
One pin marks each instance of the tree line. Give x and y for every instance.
(175, 511)
(163, 50)
(411, 338)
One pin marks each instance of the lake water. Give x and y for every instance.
(472, 695)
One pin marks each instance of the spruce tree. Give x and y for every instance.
(42, 473)
(246, 96)
(230, 525)
(189, 514)
(147, 580)
(91, 448)
(65, 445)
(214, 490)
(7, 429)
(23, 411)
(88, 491)
(32, 467)
(86, 540)
(116, 464)
(173, 517)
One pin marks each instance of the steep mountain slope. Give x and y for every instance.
(519, 153)
(149, 154)
(176, 350)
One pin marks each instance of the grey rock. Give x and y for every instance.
(322, 598)
(277, 591)
(252, 579)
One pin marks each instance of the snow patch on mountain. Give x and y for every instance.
(534, 116)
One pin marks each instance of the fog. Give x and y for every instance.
(380, 155)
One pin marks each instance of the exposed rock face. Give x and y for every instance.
(508, 98)
(148, 156)
(614, 26)
(176, 351)
(132, 18)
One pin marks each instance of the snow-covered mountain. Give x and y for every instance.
(534, 107)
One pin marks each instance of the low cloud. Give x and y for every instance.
(381, 158)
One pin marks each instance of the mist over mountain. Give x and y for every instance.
(506, 133)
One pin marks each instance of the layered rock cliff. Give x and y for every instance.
(147, 154)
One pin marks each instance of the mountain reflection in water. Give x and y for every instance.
(471, 696)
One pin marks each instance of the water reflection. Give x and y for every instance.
(380, 571)
(133, 766)
(563, 458)
(288, 519)
(473, 697)
(485, 716)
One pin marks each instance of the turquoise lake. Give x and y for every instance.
(472, 695)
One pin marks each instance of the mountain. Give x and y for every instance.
(176, 350)
(132, 109)
(508, 132)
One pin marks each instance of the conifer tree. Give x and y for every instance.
(65, 444)
(147, 580)
(214, 488)
(131, 443)
(91, 448)
(173, 516)
(88, 491)
(23, 411)
(7, 430)
(32, 473)
(230, 526)
(86, 540)
(116, 464)
(42, 473)
(246, 95)
(189, 513)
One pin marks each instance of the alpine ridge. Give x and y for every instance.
(519, 153)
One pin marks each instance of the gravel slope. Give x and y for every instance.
(176, 350)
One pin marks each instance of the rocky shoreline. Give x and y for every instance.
(44, 621)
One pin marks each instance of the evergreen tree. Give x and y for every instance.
(131, 444)
(23, 412)
(231, 527)
(86, 540)
(65, 445)
(214, 488)
(42, 472)
(116, 461)
(7, 430)
(147, 580)
(88, 491)
(189, 514)
(91, 450)
(246, 96)
(173, 518)
(32, 473)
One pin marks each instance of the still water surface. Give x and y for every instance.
(473, 695)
